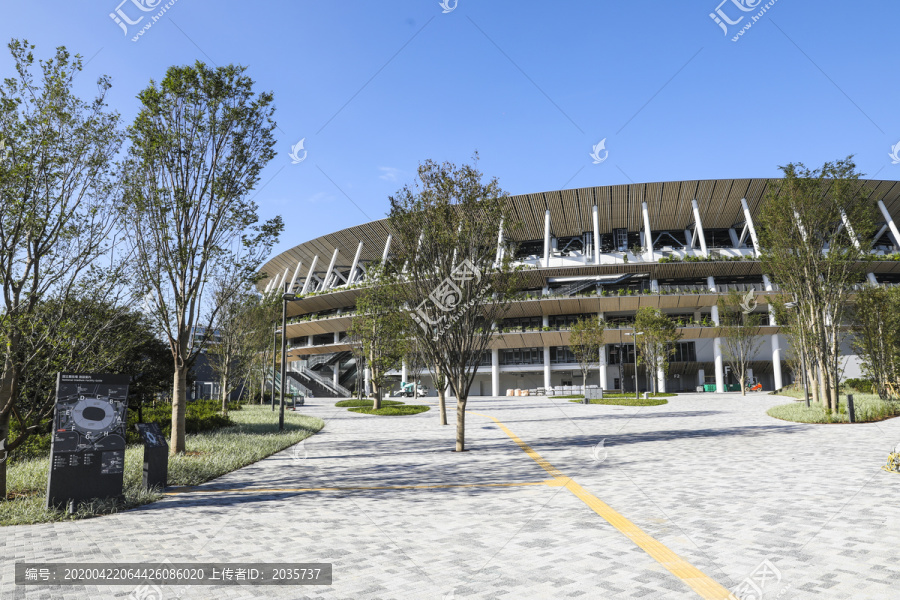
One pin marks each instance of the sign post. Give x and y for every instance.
(87, 451)
(156, 456)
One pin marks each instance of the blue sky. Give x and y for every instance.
(374, 88)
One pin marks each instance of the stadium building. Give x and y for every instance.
(606, 251)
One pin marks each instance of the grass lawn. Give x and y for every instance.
(209, 455)
(365, 403)
(868, 408)
(620, 400)
(392, 411)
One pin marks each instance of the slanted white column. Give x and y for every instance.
(290, 288)
(750, 226)
(776, 345)
(596, 236)
(648, 235)
(387, 248)
(852, 235)
(717, 354)
(711, 283)
(277, 283)
(327, 283)
(352, 275)
(284, 277)
(499, 243)
(890, 222)
(309, 275)
(495, 372)
(660, 380)
(546, 368)
(336, 374)
(698, 229)
(269, 286)
(547, 238)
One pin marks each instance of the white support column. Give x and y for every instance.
(404, 371)
(352, 275)
(545, 320)
(596, 236)
(654, 286)
(327, 283)
(499, 244)
(309, 275)
(337, 337)
(750, 226)
(852, 234)
(749, 375)
(284, 277)
(290, 288)
(660, 380)
(698, 228)
(277, 284)
(601, 364)
(495, 372)
(367, 377)
(546, 368)
(776, 362)
(309, 340)
(269, 286)
(701, 377)
(776, 345)
(387, 248)
(717, 354)
(336, 373)
(648, 235)
(711, 283)
(547, 239)
(890, 222)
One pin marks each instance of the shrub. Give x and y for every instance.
(861, 385)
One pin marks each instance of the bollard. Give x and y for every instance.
(850, 412)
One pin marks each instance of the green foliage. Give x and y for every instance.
(875, 317)
(393, 411)
(627, 401)
(867, 407)
(861, 385)
(211, 454)
(586, 342)
(365, 403)
(655, 336)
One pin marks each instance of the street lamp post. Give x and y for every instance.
(285, 298)
(274, 362)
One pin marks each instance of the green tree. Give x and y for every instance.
(198, 144)
(875, 316)
(451, 282)
(586, 343)
(656, 336)
(739, 332)
(381, 330)
(240, 334)
(815, 231)
(55, 183)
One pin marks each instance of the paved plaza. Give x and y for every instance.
(684, 500)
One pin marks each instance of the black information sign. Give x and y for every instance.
(87, 454)
(156, 455)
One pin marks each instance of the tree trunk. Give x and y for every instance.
(743, 387)
(223, 391)
(460, 424)
(179, 405)
(441, 392)
(4, 457)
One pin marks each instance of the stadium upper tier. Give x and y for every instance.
(697, 228)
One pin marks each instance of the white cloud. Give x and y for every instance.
(389, 173)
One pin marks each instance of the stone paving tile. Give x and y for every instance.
(710, 476)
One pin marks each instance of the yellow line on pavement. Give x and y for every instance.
(704, 585)
(186, 490)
